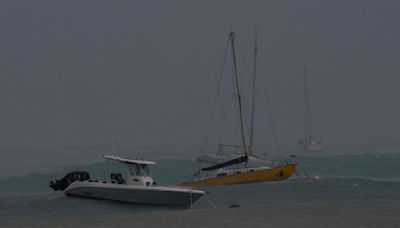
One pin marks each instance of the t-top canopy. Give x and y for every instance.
(128, 161)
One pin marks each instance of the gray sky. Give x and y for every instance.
(144, 72)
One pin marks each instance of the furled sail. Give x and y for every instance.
(227, 163)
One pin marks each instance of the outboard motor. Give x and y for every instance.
(61, 185)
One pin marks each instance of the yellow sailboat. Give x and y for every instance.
(246, 174)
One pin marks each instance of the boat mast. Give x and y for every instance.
(232, 38)
(308, 121)
(253, 91)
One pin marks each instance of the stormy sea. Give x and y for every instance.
(359, 185)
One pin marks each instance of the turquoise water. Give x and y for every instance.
(360, 179)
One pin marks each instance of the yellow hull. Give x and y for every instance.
(244, 176)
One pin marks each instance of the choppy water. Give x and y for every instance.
(355, 178)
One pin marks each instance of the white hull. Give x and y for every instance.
(152, 195)
(311, 144)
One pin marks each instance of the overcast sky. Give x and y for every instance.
(145, 72)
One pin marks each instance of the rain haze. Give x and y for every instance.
(145, 72)
(89, 88)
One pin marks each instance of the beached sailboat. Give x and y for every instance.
(310, 142)
(138, 188)
(245, 174)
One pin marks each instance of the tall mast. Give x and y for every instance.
(253, 90)
(232, 38)
(308, 121)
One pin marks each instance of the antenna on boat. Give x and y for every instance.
(117, 146)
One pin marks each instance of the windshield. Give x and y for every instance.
(140, 170)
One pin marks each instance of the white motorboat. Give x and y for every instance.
(138, 188)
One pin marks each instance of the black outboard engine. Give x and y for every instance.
(61, 185)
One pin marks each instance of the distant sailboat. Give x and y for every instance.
(310, 141)
(241, 175)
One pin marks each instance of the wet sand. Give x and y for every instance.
(282, 216)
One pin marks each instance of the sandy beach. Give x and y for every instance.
(284, 216)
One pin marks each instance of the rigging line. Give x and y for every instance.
(230, 134)
(221, 103)
(221, 127)
(247, 65)
(246, 73)
(232, 38)
(307, 117)
(205, 138)
(224, 117)
(251, 86)
(268, 112)
(235, 107)
(247, 69)
(253, 114)
(210, 201)
(249, 89)
(225, 121)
